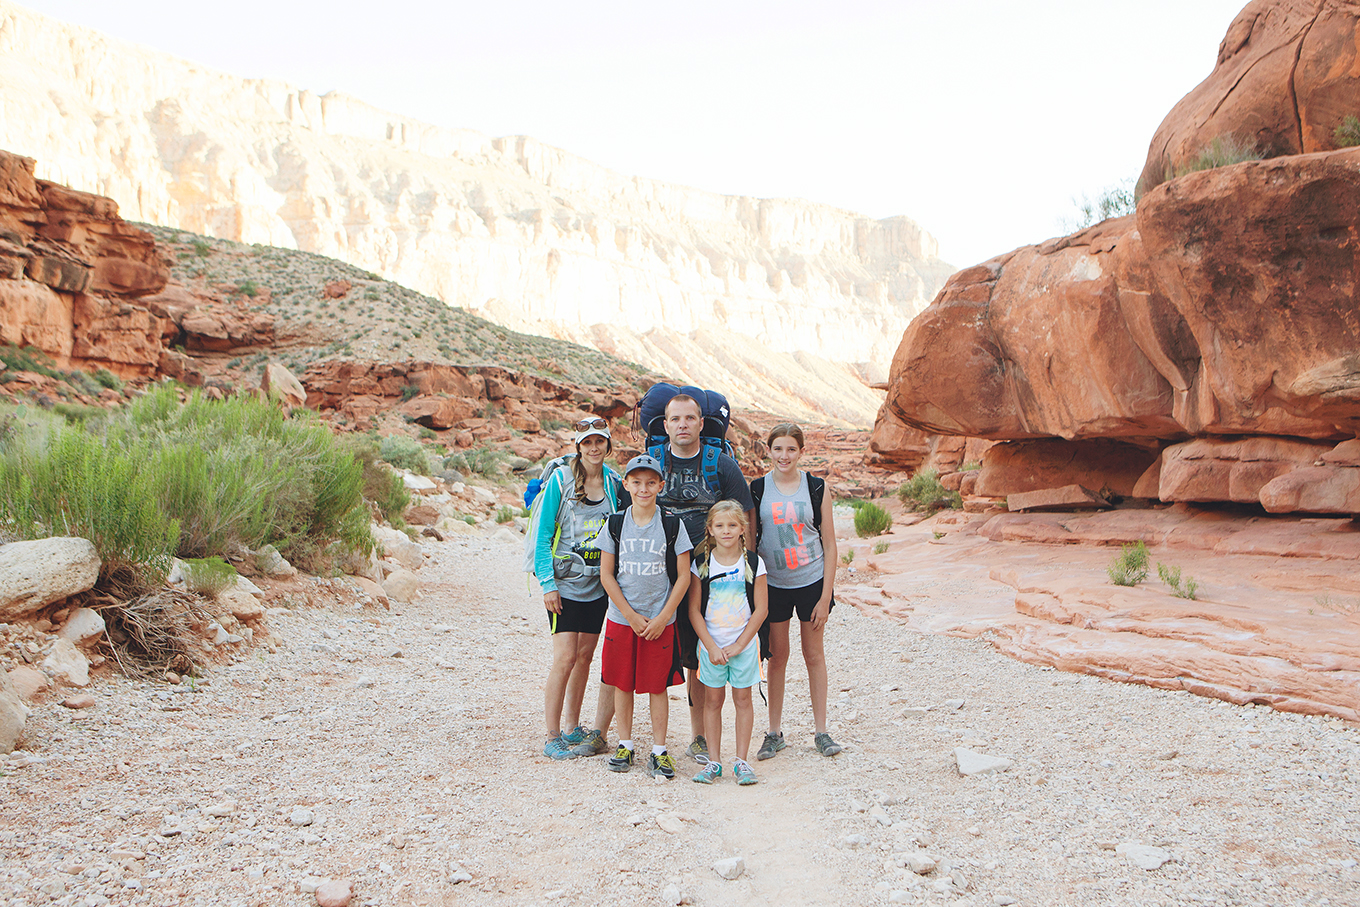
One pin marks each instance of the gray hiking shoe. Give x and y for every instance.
(592, 744)
(742, 771)
(825, 745)
(661, 766)
(711, 772)
(773, 744)
(698, 750)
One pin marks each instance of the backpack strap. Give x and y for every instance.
(757, 492)
(816, 491)
(710, 467)
(614, 525)
(671, 526)
(659, 451)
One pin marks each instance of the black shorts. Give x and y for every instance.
(579, 617)
(783, 602)
(689, 640)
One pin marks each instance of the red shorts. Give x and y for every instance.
(637, 665)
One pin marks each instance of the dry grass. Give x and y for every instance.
(154, 633)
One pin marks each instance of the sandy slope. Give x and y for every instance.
(420, 766)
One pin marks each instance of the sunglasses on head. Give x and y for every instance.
(588, 424)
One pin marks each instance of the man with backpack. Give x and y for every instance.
(696, 476)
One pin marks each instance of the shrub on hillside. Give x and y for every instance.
(1347, 135)
(1222, 151)
(871, 519)
(924, 493)
(383, 487)
(210, 576)
(1130, 566)
(405, 453)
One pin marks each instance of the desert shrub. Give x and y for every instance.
(923, 492)
(240, 473)
(383, 487)
(1114, 201)
(1181, 588)
(1347, 135)
(408, 391)
(107, 379)
(848, 557)
(248, 288)
(971, 466)
(1130, 566)
(484, 461)
(880, 547)
(871, 520)
(210, 576)
(64, 481)
(405, 453)
(504, 514)
(1223, 151)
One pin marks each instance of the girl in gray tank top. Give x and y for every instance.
(798, 543)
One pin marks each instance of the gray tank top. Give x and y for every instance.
(791, 547)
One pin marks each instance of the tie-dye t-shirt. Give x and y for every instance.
(728, 610)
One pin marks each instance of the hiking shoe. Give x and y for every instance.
(622, 760)
(825, 745)
(773, 744)
(556, 748)
(661, 766)
(698, 750)
(711, 772)
(574, 736)
(742, 771)
(591, 744)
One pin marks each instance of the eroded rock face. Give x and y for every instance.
(1287, 74)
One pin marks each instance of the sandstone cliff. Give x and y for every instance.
(774, 300)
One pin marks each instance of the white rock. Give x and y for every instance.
(855, 841)
(971, 763)
(398, 545)
(83, 626)
(301, 817)
(243, 584)
(419, 484)
(914, 711)
(1144, 856)
(37, 573)
(486, 496)
(671, 895)
(670, 823)
(272, 562)
(452, 525)
(13, 715)
(953, 705)
(506, 535)
(241, 604)
(402, 585)
(219, 810)
(919, 862)
(67, 664)
(730, 868)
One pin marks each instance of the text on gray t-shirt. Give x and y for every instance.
(641, 565)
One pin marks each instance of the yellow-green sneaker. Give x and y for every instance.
(698, 750)
(592, 744)
(622, 760)
(661, 766)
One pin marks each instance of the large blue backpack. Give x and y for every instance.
(717, 415)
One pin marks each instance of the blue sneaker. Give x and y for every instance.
(708, 774)
(742, 771)
(574, 736)
(557, 748)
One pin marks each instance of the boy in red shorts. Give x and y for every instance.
(644, 568)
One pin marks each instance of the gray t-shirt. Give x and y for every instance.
(688, 496)
(641, 562)
(789, 545)
(577, 568)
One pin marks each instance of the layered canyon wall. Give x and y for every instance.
(774, 300)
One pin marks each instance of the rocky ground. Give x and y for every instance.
(399, 750)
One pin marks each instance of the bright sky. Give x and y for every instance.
(980, 119)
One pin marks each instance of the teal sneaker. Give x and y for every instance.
(742, 771)
(662, 766)
(556, 748)
(825, 745)
(708, 774)
(773, 744)
(698, 750)
(622, 760)
(574, 736)
(592, 744)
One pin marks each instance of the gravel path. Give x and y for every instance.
(400, 750)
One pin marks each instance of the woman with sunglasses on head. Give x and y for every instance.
(577, 500)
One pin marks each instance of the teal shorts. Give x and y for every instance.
(740, 673)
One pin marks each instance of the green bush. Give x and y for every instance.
(923, 492)
(484, 461)
(1186, 588)
(1223, 151)
(504, 514)
(405, 453)
(1347, 135)
(408, 391)
(880, 547)
(108, 379)
(871, 520)
(63, 481)
(1130, 566)
(210, 576)
(381, 485)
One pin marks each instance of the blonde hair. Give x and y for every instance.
(787, 430)
(729, 507)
